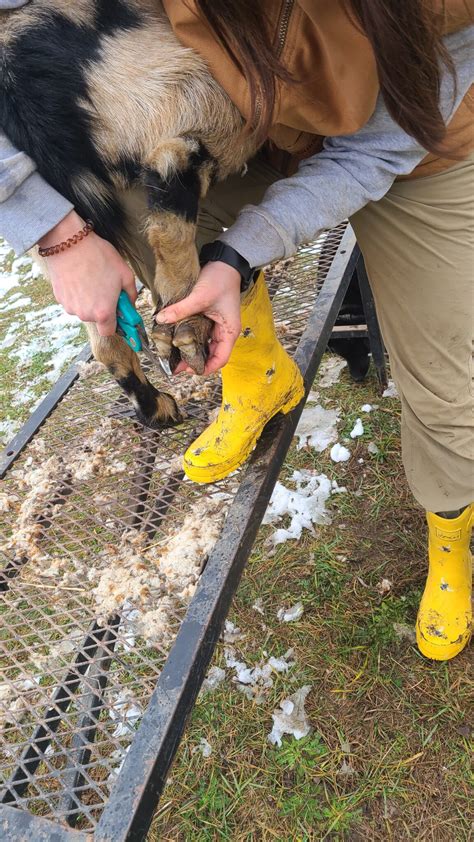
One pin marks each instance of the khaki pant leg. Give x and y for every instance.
(418, 245)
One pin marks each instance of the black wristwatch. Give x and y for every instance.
(221, 251)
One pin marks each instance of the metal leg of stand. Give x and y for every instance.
(377, 347)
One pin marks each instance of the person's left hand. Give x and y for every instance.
(216, 295)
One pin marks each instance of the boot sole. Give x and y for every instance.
(213, 473)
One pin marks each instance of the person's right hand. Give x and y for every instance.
(88, 278)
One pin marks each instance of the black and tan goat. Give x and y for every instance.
(106, 101)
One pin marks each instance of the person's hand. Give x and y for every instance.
(216, 295)
(88, 278)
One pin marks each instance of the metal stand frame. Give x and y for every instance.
(134, 797)
(371, 328)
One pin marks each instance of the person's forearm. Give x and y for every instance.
(29, 207)
(349, 172)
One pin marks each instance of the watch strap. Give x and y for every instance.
(227, 254)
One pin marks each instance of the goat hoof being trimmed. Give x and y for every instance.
(163, 339)
(191, 337)
(165, 413)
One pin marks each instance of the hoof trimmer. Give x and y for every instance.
(131, 327)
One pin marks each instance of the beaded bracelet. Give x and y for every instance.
(72, 241)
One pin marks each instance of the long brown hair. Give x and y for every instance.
(406, 41)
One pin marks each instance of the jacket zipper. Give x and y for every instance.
(284, 24)
(282, 33)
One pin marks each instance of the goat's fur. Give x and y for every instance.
(102, 96)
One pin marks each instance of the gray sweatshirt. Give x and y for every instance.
(349, 172)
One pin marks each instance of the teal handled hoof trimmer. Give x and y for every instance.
(131, 327)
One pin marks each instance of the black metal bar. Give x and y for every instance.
(41, 739)
(162, 504)
(24, 827)
(93, 702)
(83, 739)
(375, 337)
(44, 410)
(143, 480)
(128, 814)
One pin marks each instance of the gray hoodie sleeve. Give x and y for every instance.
(349, 172)
(29, 207)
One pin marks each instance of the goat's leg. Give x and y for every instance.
(176, 273)
(153, 408)
(177, 176)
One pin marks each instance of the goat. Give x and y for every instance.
(105, 100)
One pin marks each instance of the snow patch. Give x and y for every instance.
(317, 428)
(291, 719)
(57, 332)
(358, 429)
(384, 587)
(15, 302)
(290, 615)
(258, 606)
(24, 262)
(10, 337)
(305, 505)
(213, 680)
(8, 429)
(339, 453)
(231, 633)
(203, 747)
(255, 682)
(329, 371)
(7, 282)
(390, 391)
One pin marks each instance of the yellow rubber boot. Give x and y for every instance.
(443, 626)
(259, 381)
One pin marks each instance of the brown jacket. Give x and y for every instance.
(334, 65)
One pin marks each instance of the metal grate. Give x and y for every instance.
(103, 542)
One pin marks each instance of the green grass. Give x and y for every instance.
(388, 757)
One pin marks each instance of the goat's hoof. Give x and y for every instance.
(191, 337)
(163, 339)
(165, 414)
